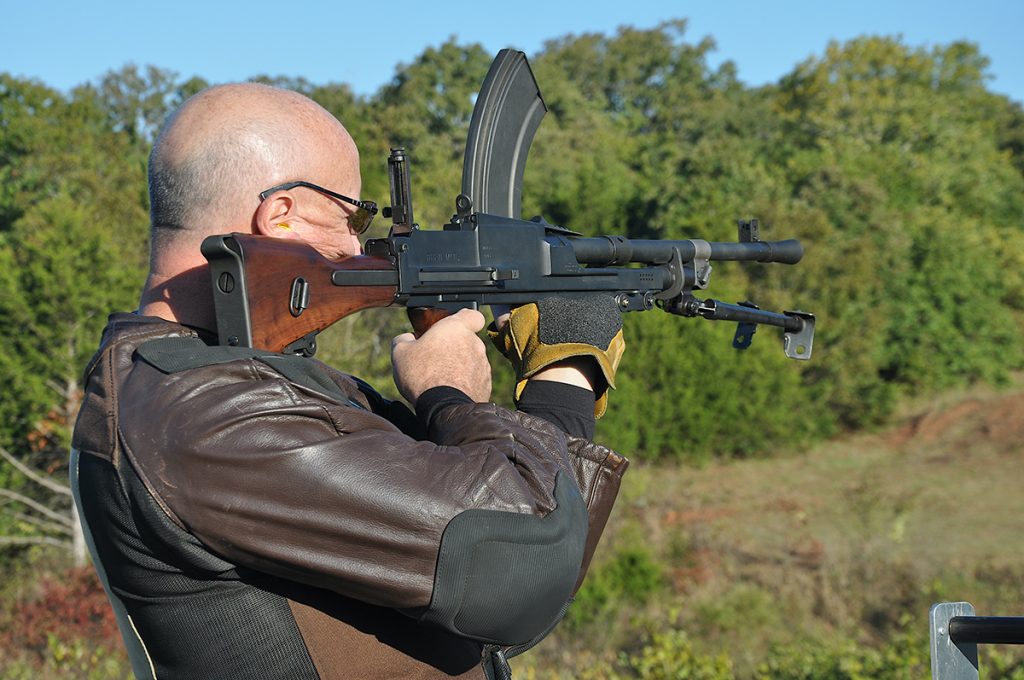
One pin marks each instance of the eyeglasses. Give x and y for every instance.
(358, 222)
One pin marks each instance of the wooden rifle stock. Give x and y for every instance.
(290, 288)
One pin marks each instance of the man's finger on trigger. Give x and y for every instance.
(501, 314)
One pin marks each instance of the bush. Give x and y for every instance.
(904, 657)
(628, 580)
(68, 630)
(670, 656)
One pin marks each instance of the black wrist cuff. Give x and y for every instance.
(435, 399)
(569, 407)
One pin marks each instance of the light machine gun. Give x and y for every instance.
(277, 295)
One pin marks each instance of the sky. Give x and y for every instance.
(65, 43)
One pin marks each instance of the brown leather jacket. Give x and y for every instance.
(248, 524)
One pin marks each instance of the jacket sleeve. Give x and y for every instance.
(597, 470)
(598, 473)
(481, 531)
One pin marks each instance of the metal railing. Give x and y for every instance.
(956, 633)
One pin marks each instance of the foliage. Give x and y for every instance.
(74, 659)
(670, 656)
(72, 229)
(904, 657)
(898, 169)
(627, 581)
(66, 630)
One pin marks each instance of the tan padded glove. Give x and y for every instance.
(556, 328)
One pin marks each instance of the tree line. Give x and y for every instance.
(901, 173)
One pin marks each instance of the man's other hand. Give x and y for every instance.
(573, 340)
(449, 354)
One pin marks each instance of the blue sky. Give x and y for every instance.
(64, 43)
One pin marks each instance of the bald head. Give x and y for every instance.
(228, 143)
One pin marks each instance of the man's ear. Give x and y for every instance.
(275, 215)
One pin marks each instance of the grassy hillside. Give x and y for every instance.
(850, 541)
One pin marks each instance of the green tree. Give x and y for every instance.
(72, 248)
(896, 167)
(137, 102)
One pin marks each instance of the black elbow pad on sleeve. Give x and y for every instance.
(502, 577)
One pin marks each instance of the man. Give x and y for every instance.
(262, 516)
